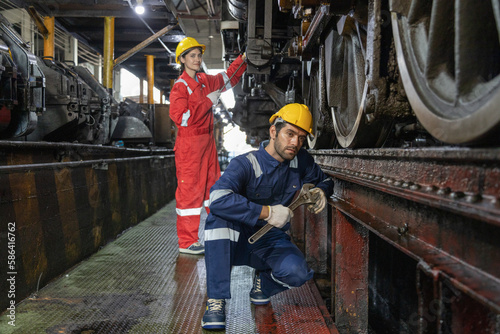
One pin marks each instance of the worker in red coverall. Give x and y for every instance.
(196, 160)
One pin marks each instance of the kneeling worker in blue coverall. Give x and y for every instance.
(256, 189)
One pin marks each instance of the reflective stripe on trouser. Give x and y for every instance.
(281, 263)
(197, 169)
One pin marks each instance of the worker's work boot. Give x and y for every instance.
(258, 297)
(215, 314)
(195, 248)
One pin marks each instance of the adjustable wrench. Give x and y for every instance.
(304, 197)
(228, 80)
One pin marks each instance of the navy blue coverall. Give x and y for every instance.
(250, 181)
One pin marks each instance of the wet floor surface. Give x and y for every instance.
(139, 283)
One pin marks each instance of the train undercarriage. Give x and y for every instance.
(374, 73)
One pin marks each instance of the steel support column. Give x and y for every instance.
(141, 88)
(48, 41)
(150, 69)
(109, 45)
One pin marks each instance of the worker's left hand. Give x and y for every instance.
(320, 203)
(244, 56)
(214, 96)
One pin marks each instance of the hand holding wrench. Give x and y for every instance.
(304, 197)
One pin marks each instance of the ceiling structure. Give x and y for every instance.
(84, 19)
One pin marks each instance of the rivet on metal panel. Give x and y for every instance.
(406, 184)
(414, 187)
(444, 191)
(474, 198)
(402, 230)
(431, 188)
(457, 195)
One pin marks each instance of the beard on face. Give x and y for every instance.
(282, 150)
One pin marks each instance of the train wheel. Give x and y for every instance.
(448, 58)
(316, 101)
(347, 88)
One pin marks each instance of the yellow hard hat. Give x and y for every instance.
(296, 114)
(186, 44)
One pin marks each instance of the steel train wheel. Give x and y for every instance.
(345, 64)
(449, 60)
(316, 101)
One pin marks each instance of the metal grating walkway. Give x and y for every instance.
(139, 283)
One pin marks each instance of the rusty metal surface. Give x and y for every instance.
(141, 284)
(351, 252)
(432, 222)
(463, 181)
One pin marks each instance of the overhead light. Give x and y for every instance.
(139, 8)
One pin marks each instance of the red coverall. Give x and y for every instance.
(196, 160)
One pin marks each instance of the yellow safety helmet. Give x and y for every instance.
(296, 114)
(186, 44)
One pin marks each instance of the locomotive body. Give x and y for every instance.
(374, 72)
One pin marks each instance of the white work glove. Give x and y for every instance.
(279, 215)
(320, 203)
(214, 96)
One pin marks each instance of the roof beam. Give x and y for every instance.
(142, 45)
(114, 13)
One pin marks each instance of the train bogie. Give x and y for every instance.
(374, 72)
(47, 100)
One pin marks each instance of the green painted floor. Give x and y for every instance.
(139, 283)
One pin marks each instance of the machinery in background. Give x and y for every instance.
(47, 100)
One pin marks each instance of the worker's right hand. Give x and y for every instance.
(279, 215)
(214, 96)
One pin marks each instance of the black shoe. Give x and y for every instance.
(215, 314)
(257, 297)
(195, 248)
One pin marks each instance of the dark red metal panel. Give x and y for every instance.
(351, 253)
(435, 211)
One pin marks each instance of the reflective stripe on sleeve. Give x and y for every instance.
(206, 203)
(185, 83)
(255, 164)
(223, 233)
(188, 212)
(226, 79)
(216, 194)
(185, 118)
